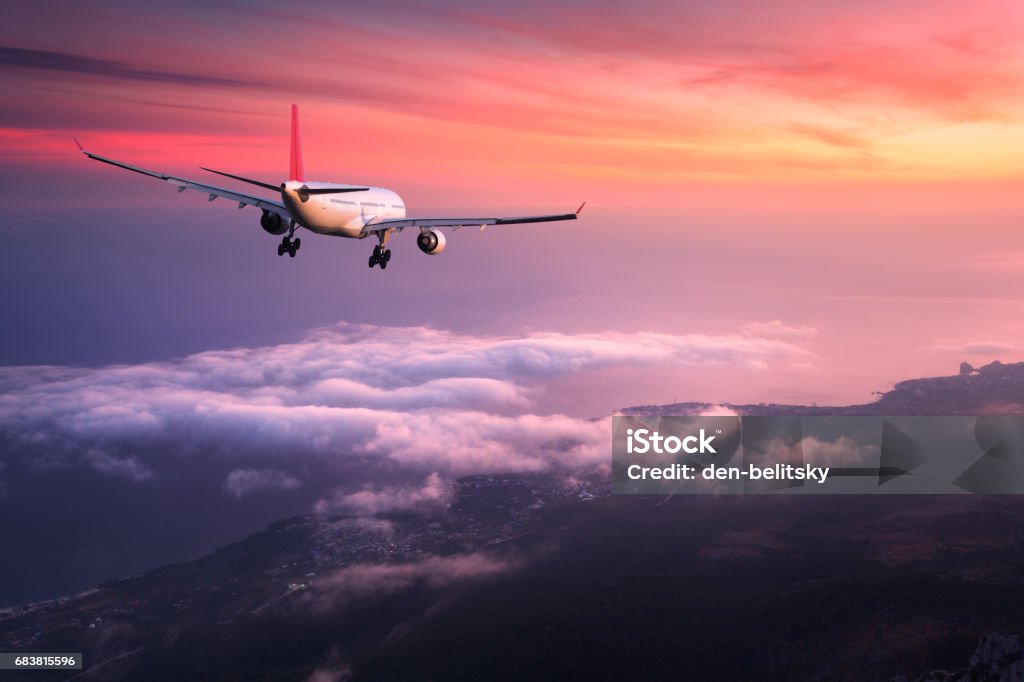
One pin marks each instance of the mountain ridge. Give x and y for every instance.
(996, 388)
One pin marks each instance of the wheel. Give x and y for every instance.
(284, 241)
(383, 263)
(280, 249)
(377, 252)
(298, 243)
(373, 260)
(387, 255)
(291, 251)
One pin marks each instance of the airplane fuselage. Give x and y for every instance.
(340, 215)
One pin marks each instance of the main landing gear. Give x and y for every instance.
(289, 245)
(380, 256)
(381, 253)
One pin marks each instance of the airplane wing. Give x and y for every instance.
(213, 192)
(400, 224)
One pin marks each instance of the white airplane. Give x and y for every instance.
(351, 211)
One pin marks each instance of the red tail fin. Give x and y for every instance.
(295, 172)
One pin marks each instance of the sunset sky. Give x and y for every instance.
(848, 170)
(628, 104)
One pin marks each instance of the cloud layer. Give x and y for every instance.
(147, 463)
(412, 400)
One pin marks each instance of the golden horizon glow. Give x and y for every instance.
(626, 106)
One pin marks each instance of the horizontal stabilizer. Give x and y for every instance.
(273, 188)
(331, 190)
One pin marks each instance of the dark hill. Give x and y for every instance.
(548, 576)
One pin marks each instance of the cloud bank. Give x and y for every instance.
(415, 401)
(130, 463)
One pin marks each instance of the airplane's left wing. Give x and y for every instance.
(182, 184)
(399, 224)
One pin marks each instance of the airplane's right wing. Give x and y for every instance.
(182, 184)
(399, 224)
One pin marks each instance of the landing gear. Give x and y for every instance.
(289, 245)
(380, 256)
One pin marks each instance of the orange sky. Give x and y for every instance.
(909, 105)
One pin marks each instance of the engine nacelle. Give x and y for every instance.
(273, 223)
(430, 242)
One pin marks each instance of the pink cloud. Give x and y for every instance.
(125, 466)
(978, 347)
(244, 482)
(375, 499)
(363, 581)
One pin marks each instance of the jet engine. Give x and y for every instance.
(273, 223)
(430, 242)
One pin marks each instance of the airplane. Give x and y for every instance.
(338, 210)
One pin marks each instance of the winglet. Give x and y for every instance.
(80, 147)
(295, 172)
(580, 208)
